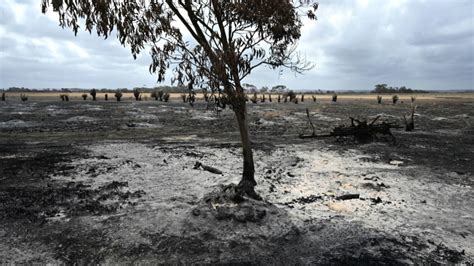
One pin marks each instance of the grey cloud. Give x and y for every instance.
(426, 45)
(421, 44)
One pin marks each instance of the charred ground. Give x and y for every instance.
(85, 181)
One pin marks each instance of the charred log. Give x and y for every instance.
(360, 131)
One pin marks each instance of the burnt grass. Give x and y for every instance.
(72, 222)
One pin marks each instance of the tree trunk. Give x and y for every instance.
(247, 183)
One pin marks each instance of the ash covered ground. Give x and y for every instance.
(108, 182)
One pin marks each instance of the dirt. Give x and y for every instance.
(107, 182)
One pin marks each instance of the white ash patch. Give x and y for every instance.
(200, 115)
(146, 117)
(181, 138)
(385, 115)
(325, 118)
(25, 106)
(439, 118)
(265, 122)
(410, 201)
(291, 118)
(401, 199)
(91, 107)
(80, 118)
(17, 123)
(450, 132)
(56, 110)
(165, 174)
(21, 113)
(464, 116)
(205, 117)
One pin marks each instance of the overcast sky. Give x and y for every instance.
(354, 45)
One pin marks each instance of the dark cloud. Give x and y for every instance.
(354, 45)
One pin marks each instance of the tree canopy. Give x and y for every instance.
(230, 38)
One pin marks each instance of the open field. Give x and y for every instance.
(77, 96)
(113, 182)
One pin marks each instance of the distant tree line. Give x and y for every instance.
(175, 89)
(249, 88)
(384, 88)
(281, 89)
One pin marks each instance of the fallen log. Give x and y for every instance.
(361, 131)
(210, 169)
(348, 197)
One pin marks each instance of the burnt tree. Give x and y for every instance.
(118, 96)
(410, 122)
(137, 94)
(231, 39)
(93, 93)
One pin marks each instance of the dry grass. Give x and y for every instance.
(269, 115)
(128, 96)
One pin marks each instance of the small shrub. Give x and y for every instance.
(137, 94)
(23, 97)
(64, 97)
(410, 122)
(118, 96)
(160, 95)
(254, 98)
(334, 98)
(93, 93)
(154, 95)
(379, 99)
(84, 96)
(291, 95)
(395, 99)
(166, 97)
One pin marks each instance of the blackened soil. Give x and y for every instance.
(52, 221)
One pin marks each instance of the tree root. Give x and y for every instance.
(231, 202)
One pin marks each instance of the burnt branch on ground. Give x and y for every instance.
(360, 130)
